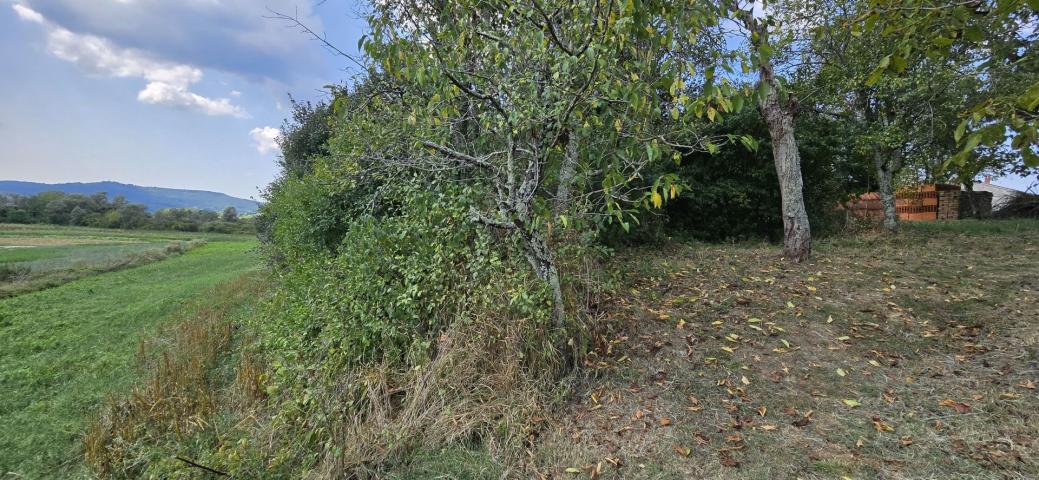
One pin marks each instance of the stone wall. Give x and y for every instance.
(949, 205)
(954, 205)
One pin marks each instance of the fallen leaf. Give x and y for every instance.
(572, 470)
(881, 426)
(664, 421)
(960, 407)
(851, 403)
(906, 441)
(761, 410)
(768, 427)
(683, 451)
(730, 462)
(841, 372)
(745, 380)
(1027, 384)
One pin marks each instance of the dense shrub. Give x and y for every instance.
(1022, 205)
(733, 193)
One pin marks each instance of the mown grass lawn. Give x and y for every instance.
(907, 356)
(65, 349)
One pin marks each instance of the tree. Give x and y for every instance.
(1002, 33)
(305, 136)
(778, 107)
(551, 109)
(230, 214)
(898, 118)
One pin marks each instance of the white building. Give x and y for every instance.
(1000, 195)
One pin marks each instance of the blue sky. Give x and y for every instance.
(170, 93)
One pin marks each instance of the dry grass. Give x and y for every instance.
(178, 394)
(485, 389)
(908, 357)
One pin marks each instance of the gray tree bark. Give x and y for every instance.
(567, 174)
(887, 164)
(972, 203)
(797, 233)
(779, 116)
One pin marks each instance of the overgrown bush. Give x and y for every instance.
(733, 193)
(1022, 205)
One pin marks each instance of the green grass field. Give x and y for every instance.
(35, 257)
(65, 349)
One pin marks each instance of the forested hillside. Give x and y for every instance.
(153, 198)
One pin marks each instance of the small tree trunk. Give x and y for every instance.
(797, 234)
(540, 257)
(885, 184)
(567, 174)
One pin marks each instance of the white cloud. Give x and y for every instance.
(168, 82)
(236, 93)
(27, 14)
(266, 139)
(159, 93)
(233, 36)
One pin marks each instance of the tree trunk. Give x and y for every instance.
(540, 257)
(887, 164)
(797, 234)
(567, 173)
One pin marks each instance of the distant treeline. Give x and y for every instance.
(59, 208)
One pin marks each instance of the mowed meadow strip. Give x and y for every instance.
(64, 350)
(53, 266)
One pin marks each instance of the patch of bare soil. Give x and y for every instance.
(908, 357)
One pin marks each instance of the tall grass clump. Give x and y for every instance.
(179, 390)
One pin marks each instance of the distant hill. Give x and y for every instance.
(155, 198)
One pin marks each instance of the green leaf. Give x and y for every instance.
(973, 33)
(898, 64)
(1031, 159)
(962, 127)
(874, 76)
(749, 142)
